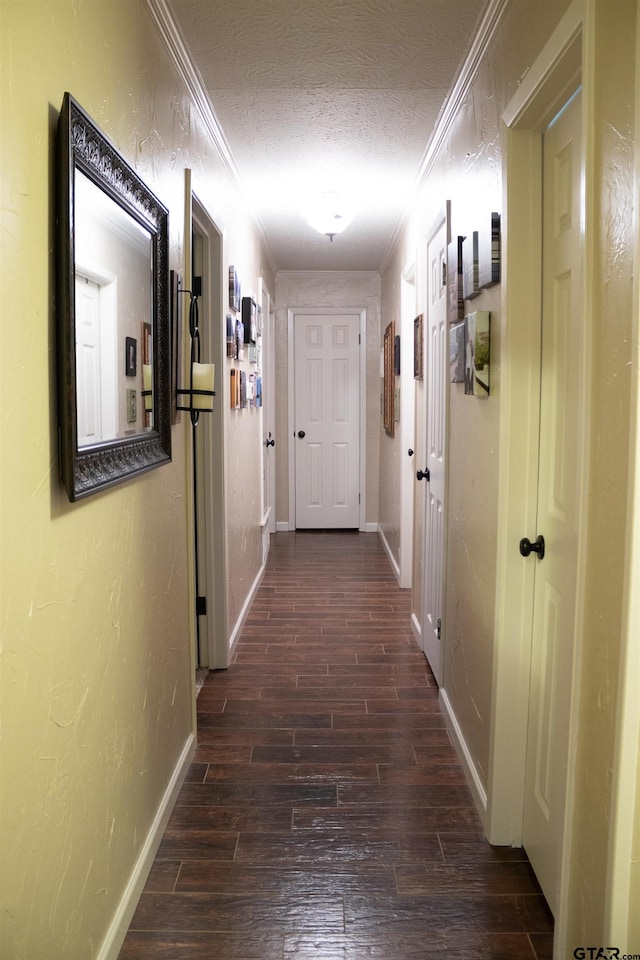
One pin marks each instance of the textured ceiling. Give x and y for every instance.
(325, 95)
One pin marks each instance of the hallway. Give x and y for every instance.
(326, 815)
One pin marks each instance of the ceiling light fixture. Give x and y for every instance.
(329, 214)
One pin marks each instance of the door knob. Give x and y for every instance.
(301, 434)
(526, 547)
(269, 442)
(423, 474)
(410, 452)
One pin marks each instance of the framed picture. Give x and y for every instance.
(234, 290)
(455, 294)
(389, 379)
(130, 356)
(477, 354)
(418, 347)
(396, 355)
(456, 352)
(132, 413)
(231, 337)
(489, 253)
(470, 278)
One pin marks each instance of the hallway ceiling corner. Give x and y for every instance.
(311, 96)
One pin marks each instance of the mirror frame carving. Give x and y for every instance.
(81, 145)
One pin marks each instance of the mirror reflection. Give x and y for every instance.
(113, 318)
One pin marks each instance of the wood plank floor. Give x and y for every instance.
(325, 816)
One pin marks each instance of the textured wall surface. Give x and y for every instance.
(95, 663)
(352, 291)
(467, 171)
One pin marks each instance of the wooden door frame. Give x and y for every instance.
(361, 312)
(213, 425)
(551, 80)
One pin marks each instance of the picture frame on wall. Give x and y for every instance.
(396, 355)
(418, 347)
(470, 268)
(456, 352)
(489, 252)
(234, 290)
(477, 349)
(130, 356)
(389, 378)
(455, 293)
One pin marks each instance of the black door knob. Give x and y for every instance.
(423, 474)
(301, 434)
(410, 452)
(526, 547)
(269, 442)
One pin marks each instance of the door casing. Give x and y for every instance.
(550, 82)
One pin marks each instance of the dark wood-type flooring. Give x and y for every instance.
(326, 816)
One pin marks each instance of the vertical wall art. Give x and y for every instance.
(470, 280)
(388, 382)
(489, 252)
(477, 354)
(418, 347)
(456, 352)
(455, 292)
(235, 292)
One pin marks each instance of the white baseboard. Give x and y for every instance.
(233, 639)
(119, 926)
(417, 629)
(282, 526)
(474, 781)
(392, 560)
(371, 528)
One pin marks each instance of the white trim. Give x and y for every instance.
(328, 312)
(392, 560)
(474, 779)
(246, 606)
(117, 931)
(552, 77)
(180, 54)
(482, 38)
(371, 528)
(282, 526)
(416, 629)
(625, 803)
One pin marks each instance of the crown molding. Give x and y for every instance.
(487, 27)
(174, 41)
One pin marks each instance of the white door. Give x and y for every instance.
(88, 361)
(437, 350)
(559, 496)
(327, 420)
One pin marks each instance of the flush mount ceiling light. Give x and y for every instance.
(329, 213)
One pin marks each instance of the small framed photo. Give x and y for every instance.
(130, 356)
(456, 352)
(418, 347)
(477, 354)
(132, 413)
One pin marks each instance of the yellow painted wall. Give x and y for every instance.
(96, 693)
(609, 80)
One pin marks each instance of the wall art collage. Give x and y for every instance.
(244, 343)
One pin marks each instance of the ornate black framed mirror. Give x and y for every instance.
(113, 324)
